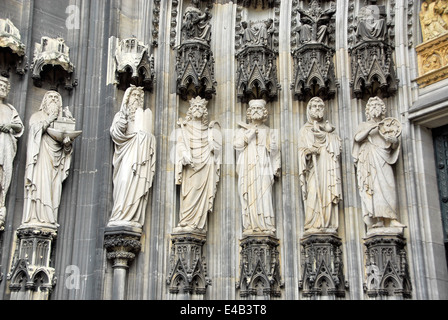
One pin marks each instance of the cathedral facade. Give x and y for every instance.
(223, 150)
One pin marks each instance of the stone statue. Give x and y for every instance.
(319, 170)
(196, 25)
(134, 160)
(376, 148)
(11, 128)
(371, 26)
(258, 162)
(198, 150)
(433, 19)
(48, 162)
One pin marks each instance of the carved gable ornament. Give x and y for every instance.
(313, 50)
(12, 50)
(135, 65)
(52, 65)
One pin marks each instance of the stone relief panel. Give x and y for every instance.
(312, 43)
(432, 54)
(371, 40)
(51, 64)
(12, 50)
(11, 129)
(256, 45)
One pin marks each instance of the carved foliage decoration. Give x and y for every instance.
(322, 267)
(188, 270)
(371, 37)
(52, 65)
(32, 276)
(387, 271)
(260, 267)
(195, 61)
(256, 53)
(12, 50)
(135, 65)
(312, 43)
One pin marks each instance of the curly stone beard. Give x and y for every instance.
(133, 105)
(52, 107)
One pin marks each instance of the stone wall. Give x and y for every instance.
(79, 257)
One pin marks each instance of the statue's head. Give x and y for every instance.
(52, 103)
(375, 109)
(198, 109)
(133, 99)
(315, 109)
(5, 87)
(257, 110)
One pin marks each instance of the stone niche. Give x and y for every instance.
(12, 50)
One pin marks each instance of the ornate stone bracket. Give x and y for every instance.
(259, 267)
(122, 245)
(32, 276)
(387, 273)
(51, 64)
(312, 43)
(322, 266)
(188, 270)
(12, 50)
(135, 65)
(371, 52)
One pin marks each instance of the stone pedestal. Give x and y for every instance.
(387, 272)
(32, 273)
(259, 267)
(188, 270)
(322, 266)
(122, 245)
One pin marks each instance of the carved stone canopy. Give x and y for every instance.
(372, 65)
(135, 65)
(257, 3)
(312, 42)
(52, 65)
(12, 50)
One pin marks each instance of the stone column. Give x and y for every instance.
(122, 245)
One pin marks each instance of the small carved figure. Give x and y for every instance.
(371, 25)
(198, 150)
(320, 172)
(196, 25)
(258, 163)
(134, 160)
(48, 162)
(11, 128)
(314, 23)
(376, 149)
(258, 33)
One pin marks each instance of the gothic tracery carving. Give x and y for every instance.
(12, 50)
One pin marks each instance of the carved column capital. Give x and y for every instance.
(122, 245)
